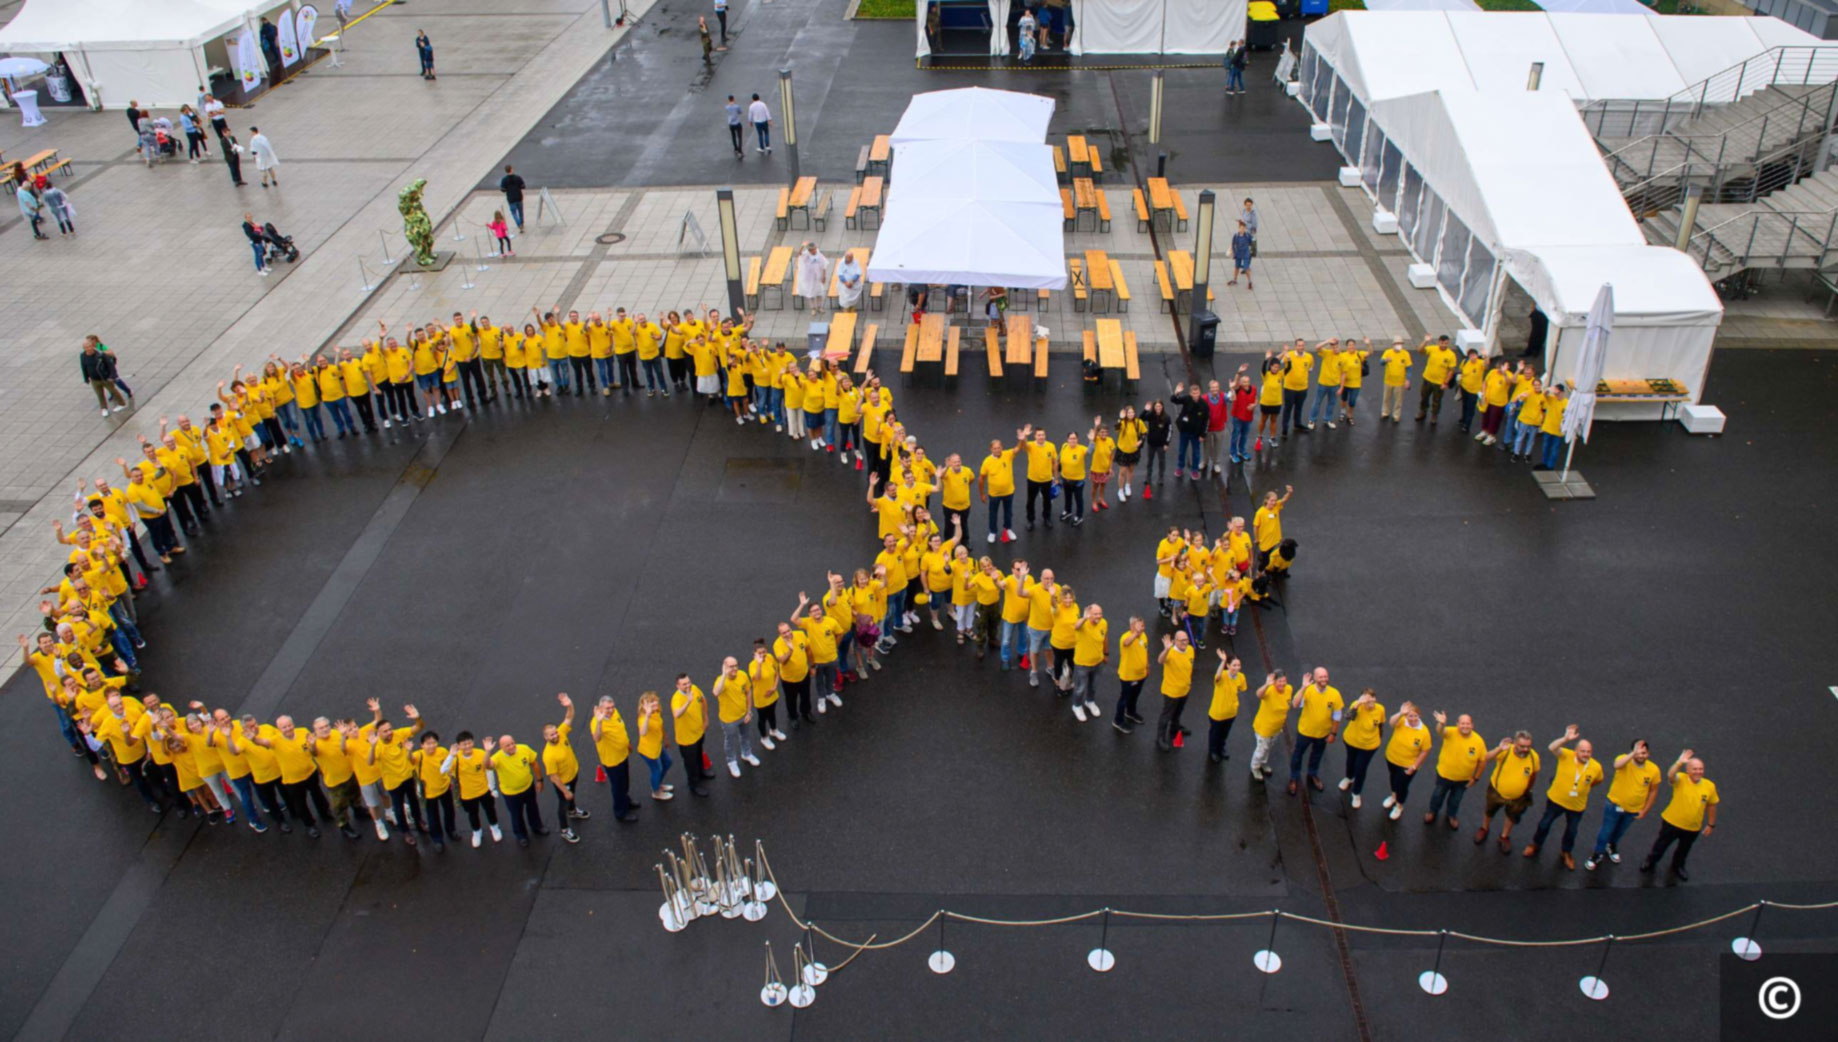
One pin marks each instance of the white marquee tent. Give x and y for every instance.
(151, 51)
(1127, 26)
(974, 114)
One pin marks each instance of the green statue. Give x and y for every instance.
(415, 223)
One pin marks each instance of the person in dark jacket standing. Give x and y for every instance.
(512, 187)
(233, 158)
(134, 114)
(98, 369)
(1155, 417)
(424, 47)
(252, 230)
(1190, 426)
(1235, 60)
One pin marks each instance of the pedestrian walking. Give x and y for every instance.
(761, 118)
(1235, 60)
(721, 15)
(149, 143)
(253, 232)
(512, 186)
(59, 204)
(502, 233)
(1243, 249)
(98, 368)
(734, 129)
(32, 208)
(424, 48)
(266, 161)
(134, 116)
(233, 158)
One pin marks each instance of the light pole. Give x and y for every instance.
(1202, 267)
(606, 12)
(1155, 108)
(789, 115)
(730, 248)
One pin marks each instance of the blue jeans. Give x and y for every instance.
(1234, 79)
(605, 367)
(1013, 633)
(260, 254)
(1553, 450)
(1003, 507)
(124, 624)
(315, 427)
(896, 612)
(69, 728)
(1315, 748)
(1324, 404)
(764, 130)
(654, 374)
(1449, 790)
(517, 213)
(830, 433)
(1241, 436)
(124, 648)
(341, 415)
(1037, 643)
(1468, 402)
(1524, 436)
(1615, 823)
(1572, 818)
(558, 370)
(1187, 441)
(1350, 395)
(290, 420)
(658, 767)
(245, 791)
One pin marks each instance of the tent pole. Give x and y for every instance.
(1568, 453)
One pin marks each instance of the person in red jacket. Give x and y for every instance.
(1244, 411)
(1218, 409)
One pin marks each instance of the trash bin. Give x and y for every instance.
(1208, 324)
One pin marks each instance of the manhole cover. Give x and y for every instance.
(609, 238)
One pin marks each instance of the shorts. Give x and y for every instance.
(252, 442)
(1162, 583)
(427, 381)
(374, 796)
(1515, 808)
(1128, 459)
(1270, 410)
(709, 385)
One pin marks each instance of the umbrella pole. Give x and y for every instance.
(1568, 453)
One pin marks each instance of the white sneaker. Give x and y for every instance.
(477, 838)
(778, 428)
(1345, 784)
(992, 536)
(822, 706)
(734, 768)
(1390, 801)
(382, 832)
(457, 406)
(752, 760)
(1397, 811)
(1078, 711)
(1092, 708)
(1215, 468)
(497, 834)
(938, 624)
(105, 412)
(118, 408)
(874, 664)
(1011, 534)
(661, 795)
(440, 410)
(766, 740)
(836, 700)
(385, 424)
(742, 420)
(843, 455)
(780, 735)
(1356, 801)
(1033, 679)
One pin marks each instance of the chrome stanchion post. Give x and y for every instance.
(364, 275)
(1268, 960)
(1747, 947)
(1432, 980)
(1100, 958)
(1594, 986)
(815, 972)
(383, 235)
(773, 993)
(800, 994)
(941, 961)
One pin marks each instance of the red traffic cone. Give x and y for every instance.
(708, 765)
(1384, 851)
(1147, 492)
(1178, 740)
(600, 774)
(1024, 662)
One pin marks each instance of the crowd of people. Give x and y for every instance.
(378, 773)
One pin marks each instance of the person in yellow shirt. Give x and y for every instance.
(491, 355)
(555, 351)
(1132, 430)
(1176, 660)
(1273, 704)
(613, 746)
(649, 339)
(535, 362)
(1089, 653)
(428, 345)
(356, 372)
(1073, 464)
(1469, 380)
(651, 745)
(824, 632)
(1354, 364)
(623, 349)
(1439, 361)
(791, 655)
(468, 341)
(1460, 763)
(1510, 786)
(1405, 752)
(1555, 403)
(1317, 726)
(1132, 672)
(387, 749)
(579, 354)
(115, 724)
(1297, 363)
(471, 769)
(1269, 401)
(399, 372)
(955, 482)
(1267, 524)
(1630, 796)
(293, 750)
(1691, 813)
(1328, 373)
(689, 707)
(1574, 775)
(733, 690)
(563, 769)
(995, 484)
(434, 770)
(1228, 684)
(763, 680)
(1496, 392)
(1365, 720)
(1397, 362)
(517, 773)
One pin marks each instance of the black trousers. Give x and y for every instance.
(692, 762)
(472, 382)
(628, 370)
(619, 780)
(182, 507)
(1668, 834)
(480, 803)
(524, 814)
(440, 816)
(1126, 700)
(406, 803)
(583, 374)
(365, 411)
(1169, 724)
(798, 698)
(160, 529)
(679, 372)
(1216, 735)
(298, 794)
(1042, 489)
(737, 132)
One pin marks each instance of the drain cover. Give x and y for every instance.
(609, 238)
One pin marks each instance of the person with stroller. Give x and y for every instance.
(258, 240)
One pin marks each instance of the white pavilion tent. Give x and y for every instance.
(1126, 26)
(974, 114)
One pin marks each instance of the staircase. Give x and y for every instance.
(1734, 152)
(1794, 227)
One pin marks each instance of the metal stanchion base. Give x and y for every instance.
(754, 911)
(941, 961)
(802, 995)
(672, 920)
(1593, 987)
(1746, 948)
(730, 911)
(1432, 982)
(773, 994)
(1101, 960)
(815, 973)
(766, 890)
(1267, 961)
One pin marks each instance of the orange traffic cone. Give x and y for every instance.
(1147, 492)
(1384, 851)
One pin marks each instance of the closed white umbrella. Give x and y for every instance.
(1580, 415)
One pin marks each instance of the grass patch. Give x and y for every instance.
(1508, 5)
(887, 9)
(1345, 5)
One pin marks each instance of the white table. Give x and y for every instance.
(27, 100)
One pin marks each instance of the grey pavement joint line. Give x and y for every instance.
(1388, 284)
(578, 282)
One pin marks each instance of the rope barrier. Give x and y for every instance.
(857, 948)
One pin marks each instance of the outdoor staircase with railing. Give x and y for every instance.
(1795, 227)
(1735, 152)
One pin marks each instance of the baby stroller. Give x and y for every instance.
(163, 138)
(279, 245)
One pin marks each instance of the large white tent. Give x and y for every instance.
(982, 171)
(974, 114)
(1126, 26)
(927, 241)
(151, 51)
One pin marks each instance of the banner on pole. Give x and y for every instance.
(289, 43)
(306, 19)
(246, 52)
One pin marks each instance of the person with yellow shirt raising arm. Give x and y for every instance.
(388, 751)
(1366, 718)
(1132, 671)
(1404, 755)
(1176, 661)
(1691, 813)
(559, 762)
(1630, 796)
(1509, 786)
(1472, 376)
(1397, 362)
(1576, 773)
(995, 484)
(1460, 763)
(471, 768)
(434, 770)
(1273, 703)
(1228, 684)
(689, 706)
(516, 775)
(734, 700)
(1439, 361)
(1316, 728)
(613, 745)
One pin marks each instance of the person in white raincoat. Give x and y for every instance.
(849, 283)
(813, 275)
(265, 160)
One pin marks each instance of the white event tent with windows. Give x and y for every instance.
(1125, 26)
(1488, 180)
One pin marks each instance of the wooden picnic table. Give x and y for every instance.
(1077, 157)
(932, 337)
(778, 267)
(1110, 343)
(1180, 265)
(1020, 334)
(1161, 198)
(1084, 200)
(872, 189)
(1098, 280)
(801, 196)
(842, 335)
(880, 155)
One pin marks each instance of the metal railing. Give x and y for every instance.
(1723, 181)
(1783, 236)
(1803, 66)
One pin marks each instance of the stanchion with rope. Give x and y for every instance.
(1432, 980)
(1100, 958)
(1268, 960)
(941, 961)
(478, 249)
(383, 235)
(458, 236)
(814, 972)
(1746, 947)
(1594, 986)
(774, 992)
(363, 273)
(802, 993)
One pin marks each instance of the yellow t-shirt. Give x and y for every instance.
(999, 473)
(574, 336)
(1554, 416)
(1015, 606)
(1531, 410)
(1397, 366)
(1103, 453)
(1268, 524)
(1088, 643)
(651, 742)
(392, 757)
(1072, 461)
(334, 762)
(1473, 372)
(1350, 363)
(1063, 635)
(515, 769)
(465, 345)
(1460, 756)
(1438, 364)
(1632, 783)
(1040, 460)
(1362, 730)
(1407, 743)
(1512, 774)
(295, 755)
(491, 341)
(793, 655)
(1328, 375)
(1496, 388)
(694, 722)
(470, 769)
(1271, 393)
(1272, 709)
(1571, 782)
(1133, 657)
(1690, 802)
(1177, 672)
(434, 781)
(611, 742)
(1227, 686)
(763, 678)
(1318, 708)
(1129, 434)
(1296, 365)
(733, 696)
(822, 634)
(558, 756)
